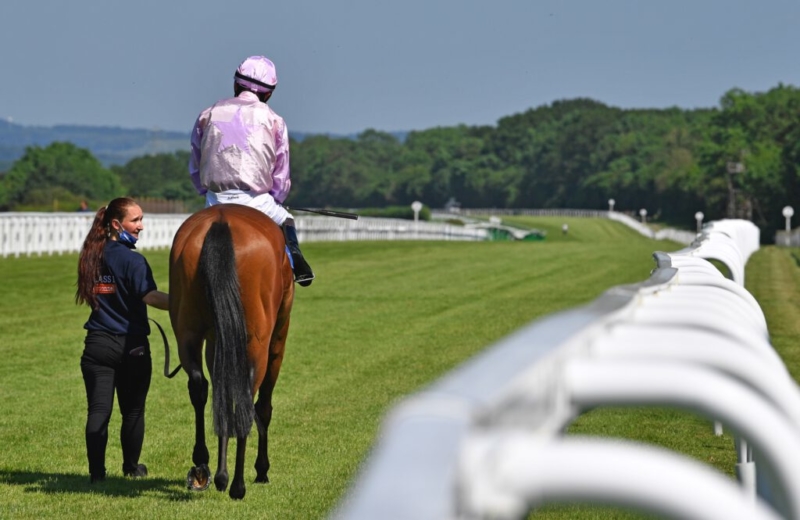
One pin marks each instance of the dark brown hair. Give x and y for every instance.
(91, 259)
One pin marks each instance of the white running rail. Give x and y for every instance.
(486, 440)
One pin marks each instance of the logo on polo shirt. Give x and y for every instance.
(105, 284)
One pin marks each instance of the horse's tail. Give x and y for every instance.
(232, 401)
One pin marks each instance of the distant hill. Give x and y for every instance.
(111, 145)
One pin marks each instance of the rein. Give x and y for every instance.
(166, 352)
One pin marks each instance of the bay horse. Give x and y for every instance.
(231, 287)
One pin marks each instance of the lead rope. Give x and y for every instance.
(166, 352)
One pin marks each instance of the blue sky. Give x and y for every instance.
(345, 66)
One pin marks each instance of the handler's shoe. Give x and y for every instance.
(140, 471)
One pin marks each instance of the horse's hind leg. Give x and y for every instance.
(221, 477)
(237, 486)
(263, 418)
(263, 408)
(263, 405)
(198, 393)
(199, 475)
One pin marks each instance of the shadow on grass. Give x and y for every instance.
(56, 483)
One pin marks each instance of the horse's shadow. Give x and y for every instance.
(57, 483)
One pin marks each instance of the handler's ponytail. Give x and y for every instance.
(91, 258)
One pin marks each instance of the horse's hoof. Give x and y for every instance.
(236, 492)
(262, 480)
(221, 482)
(198, 478)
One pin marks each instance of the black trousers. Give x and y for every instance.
(120, 363)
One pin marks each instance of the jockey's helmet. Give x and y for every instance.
(256, 74)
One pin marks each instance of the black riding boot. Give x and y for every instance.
(302, 271)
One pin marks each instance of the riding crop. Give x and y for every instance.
(326, 212)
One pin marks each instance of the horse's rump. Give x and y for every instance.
(230, 283)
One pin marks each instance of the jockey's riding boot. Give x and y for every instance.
(302, 271)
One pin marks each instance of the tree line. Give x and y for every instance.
(737, 160)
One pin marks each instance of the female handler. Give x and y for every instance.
(117, 284)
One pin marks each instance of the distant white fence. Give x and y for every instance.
(788, 238)
(56, 233)
(564, 212)
(486, 440)
(676, 235)
(330, 229)
(33, 233)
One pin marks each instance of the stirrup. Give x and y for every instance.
(304, 279)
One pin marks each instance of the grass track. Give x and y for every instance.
(382, 320)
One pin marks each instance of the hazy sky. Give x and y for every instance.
(345, 66)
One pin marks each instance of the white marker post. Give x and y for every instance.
(699, 218)
(416, 206)
(788, 211)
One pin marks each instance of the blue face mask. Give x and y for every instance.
(125, 237)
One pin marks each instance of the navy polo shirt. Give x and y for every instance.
(125, 279)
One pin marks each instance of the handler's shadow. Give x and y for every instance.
(55, 483)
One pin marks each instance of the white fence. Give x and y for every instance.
(676, 235)
(486, 441)
(788, 238)
(33, 233)
(311, 229)
(56, 233)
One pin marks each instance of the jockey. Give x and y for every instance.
(240, 154)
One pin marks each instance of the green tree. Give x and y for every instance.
(455, 163)
(554, 147)
(160, 176)
(647, 159)
(60, 171)
(757, 131)
(346, 172)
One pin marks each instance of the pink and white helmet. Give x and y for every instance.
(256, 74)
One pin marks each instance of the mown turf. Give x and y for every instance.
(382, 320)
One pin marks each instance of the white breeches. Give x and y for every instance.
(263, 203)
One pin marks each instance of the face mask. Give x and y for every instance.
(125, 237)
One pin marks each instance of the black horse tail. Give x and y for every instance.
(232, 400)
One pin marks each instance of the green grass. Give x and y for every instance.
(382, 320)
